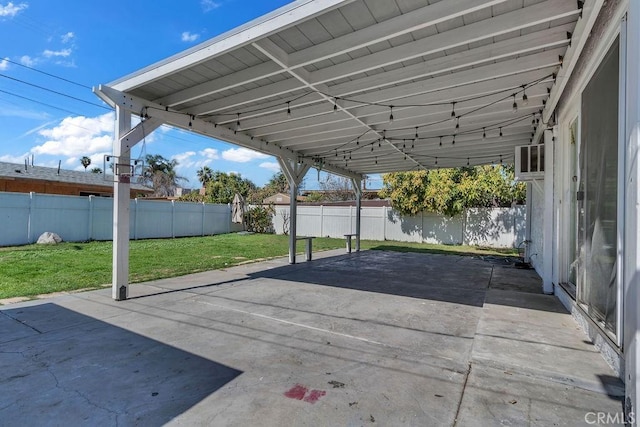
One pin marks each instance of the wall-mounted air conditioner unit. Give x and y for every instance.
(529, 164)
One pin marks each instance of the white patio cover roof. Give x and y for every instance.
(318, 81)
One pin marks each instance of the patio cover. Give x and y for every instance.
(370, 86)
(356, 87)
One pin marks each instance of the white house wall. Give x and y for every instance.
(535, 250)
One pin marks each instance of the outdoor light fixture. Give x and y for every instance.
(525, 98)
(515, 104)
(484, 133)
(335, 104)
(288, 109)
(453, 109)
(501, 132)
(391, 114)
(440, 141)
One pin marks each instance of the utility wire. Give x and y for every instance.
(55, 91)
(45, 73)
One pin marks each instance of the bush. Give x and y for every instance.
(260, 219)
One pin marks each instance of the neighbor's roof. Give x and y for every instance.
(18, 171)
(370, 86)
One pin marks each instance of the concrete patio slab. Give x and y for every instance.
(367, 338)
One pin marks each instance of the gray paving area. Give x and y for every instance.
(369, 338)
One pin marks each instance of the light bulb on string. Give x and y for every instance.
(515, 104)
(416, 137)
(288, 109)
(436, 161)
(453, 110)
(525, 98)
(440, 141)
(335, 104)
(238, 122)
(501, 132)
(453, 141)
(457, 122)
(391, 114)
(484, 133)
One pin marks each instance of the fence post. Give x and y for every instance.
(90, 230)
(135, 219)
(228, 217)
(173, 218)
(384, 223)
(32, 196)
(422, 227)
(465, 213)
(321, 220)
(203, 212)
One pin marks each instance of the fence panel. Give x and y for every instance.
(217, 219)
(403, 228)
(14, 218)
(187, 219)
(442, 229)
(66, 217)
(372, 223)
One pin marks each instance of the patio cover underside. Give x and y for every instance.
(318, 81)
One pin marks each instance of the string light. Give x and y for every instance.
(484, 133)
(467, 161)
(391, 114)
(335, 104)
(440, 141)
(436, 161)
(417, 133)
(289, 109)
(238, 122)
(525, 98)
(453, 109)
(500, 131)
(453, 141)
(376, 160)
(358, 141)
(515, 104)
(457, 122)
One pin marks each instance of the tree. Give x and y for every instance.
(336, 188)
(450, 191)
(160, 174)
(96, 170)
(86, 161)
(204, 175)
(277, 184)
(223, 186)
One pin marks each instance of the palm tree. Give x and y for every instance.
(85, 162)
(160, 174)
(204, 175)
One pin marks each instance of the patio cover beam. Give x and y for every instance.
(180, 120)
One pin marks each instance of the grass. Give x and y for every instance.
(26, 271)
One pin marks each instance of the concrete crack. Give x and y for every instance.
(464, 388)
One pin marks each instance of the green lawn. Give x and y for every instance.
(41, 269)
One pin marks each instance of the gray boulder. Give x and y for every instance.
(49, 238)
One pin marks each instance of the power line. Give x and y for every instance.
(40, 102)
(46, 74)
(55, 92)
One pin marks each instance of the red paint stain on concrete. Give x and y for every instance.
(297, 392)
(314, 395)
(300, 392)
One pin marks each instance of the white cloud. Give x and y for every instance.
(11, 10)
(78, 136)
(209, 153)
(27, 61)
(209, 5)
(191, 159)
(66, 38)
(189, 37)
(56, 53)
(4, 64)
(272, 166)
(14, 159)
(242, 155)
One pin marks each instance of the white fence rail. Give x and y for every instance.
(492, 227)
(24, 216)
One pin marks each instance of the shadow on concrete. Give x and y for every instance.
(67, 366)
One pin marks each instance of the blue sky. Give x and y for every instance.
(94, 42)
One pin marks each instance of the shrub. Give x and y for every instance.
(259, 219)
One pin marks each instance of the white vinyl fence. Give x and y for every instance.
(492, 227)
(24, 216)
